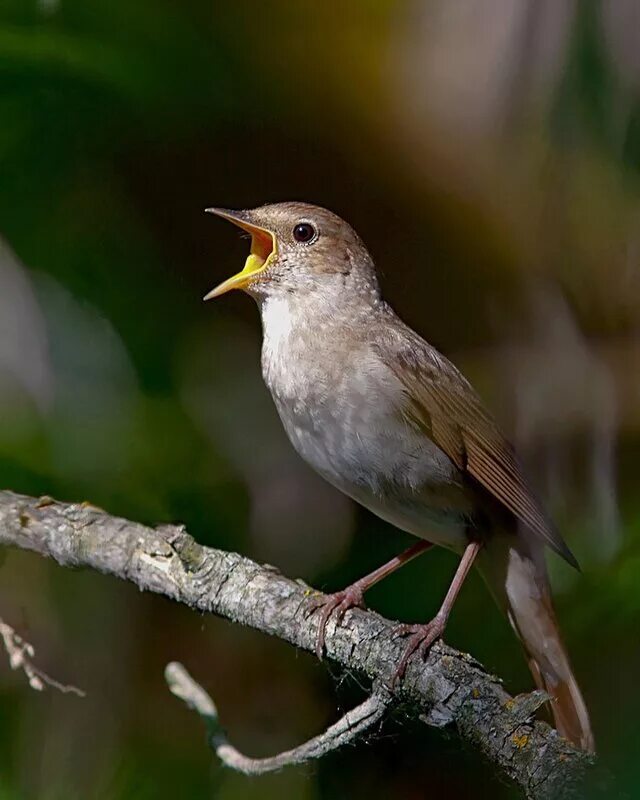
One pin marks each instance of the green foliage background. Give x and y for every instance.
(119, 123)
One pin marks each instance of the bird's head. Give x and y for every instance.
(297, 247)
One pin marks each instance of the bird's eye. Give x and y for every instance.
(304, 232)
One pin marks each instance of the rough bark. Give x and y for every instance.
(450, 688)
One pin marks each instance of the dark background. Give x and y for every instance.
(488, 153)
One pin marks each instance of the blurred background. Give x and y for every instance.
(488, 152)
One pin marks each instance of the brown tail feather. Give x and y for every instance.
(515, 571)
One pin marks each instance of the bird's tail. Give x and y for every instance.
(515, 570)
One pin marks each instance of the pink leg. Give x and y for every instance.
(423, 636)
(354, 595)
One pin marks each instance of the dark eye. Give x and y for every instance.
(304, 232)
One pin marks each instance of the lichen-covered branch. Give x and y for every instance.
(450, 688)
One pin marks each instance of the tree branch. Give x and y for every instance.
(450, 688)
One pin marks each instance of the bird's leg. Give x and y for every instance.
(423, 636)
(353, 595)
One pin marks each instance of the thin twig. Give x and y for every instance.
(347, 729)
(21, 655)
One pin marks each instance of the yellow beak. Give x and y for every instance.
(263, 248)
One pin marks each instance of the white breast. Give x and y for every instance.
(340, 409)
(277, 323)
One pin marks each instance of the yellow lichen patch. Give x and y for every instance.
(475, 693)
(89, 504)
(45, 501)
(510, 704)
(520, 741)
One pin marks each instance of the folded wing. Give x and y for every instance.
(444, 405)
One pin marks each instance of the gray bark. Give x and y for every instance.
(449, 688)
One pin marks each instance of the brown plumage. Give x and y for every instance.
(392, 423)
(447, 409)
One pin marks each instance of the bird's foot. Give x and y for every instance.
(340, 602)
(421, 637)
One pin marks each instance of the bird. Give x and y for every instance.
(391, 422)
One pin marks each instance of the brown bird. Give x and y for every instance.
(387, 419)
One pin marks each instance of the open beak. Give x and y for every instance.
(263, 247)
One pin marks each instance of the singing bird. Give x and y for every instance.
(389, 421)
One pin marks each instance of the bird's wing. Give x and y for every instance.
(444, 405)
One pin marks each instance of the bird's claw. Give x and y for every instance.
(340, 602)
(421, 638)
